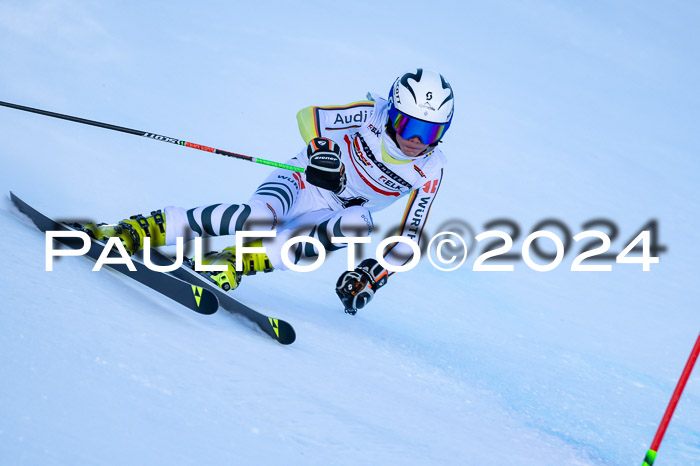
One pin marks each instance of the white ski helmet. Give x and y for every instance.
(421, 104)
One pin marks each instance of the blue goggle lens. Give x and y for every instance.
(408, 127)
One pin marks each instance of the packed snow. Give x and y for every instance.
(563, 111)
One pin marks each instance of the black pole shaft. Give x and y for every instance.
(157, 137)
(72, 118)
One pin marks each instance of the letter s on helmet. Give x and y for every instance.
(421, 104)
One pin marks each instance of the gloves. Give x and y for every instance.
(356, 288)
(325, 168)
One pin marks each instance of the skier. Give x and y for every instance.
(359, 159)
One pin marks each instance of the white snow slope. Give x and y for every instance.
(564, 111)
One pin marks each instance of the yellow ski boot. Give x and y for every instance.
(252, 263)
(132, 231)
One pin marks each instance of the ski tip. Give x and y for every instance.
(206, 301)
(287, 334)
(281, 331)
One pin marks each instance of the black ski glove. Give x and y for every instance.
(325, 168)
(356, 288)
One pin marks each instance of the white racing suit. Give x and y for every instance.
(285, 202)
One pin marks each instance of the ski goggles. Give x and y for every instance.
(409, 127)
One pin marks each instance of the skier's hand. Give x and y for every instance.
(356, 288)
(325, 168)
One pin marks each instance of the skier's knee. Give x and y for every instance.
(356, 221)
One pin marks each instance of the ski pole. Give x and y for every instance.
(651, 453)
(154, 136)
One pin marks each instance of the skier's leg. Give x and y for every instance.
(164, 227)
(280, 196)
(269, 207)
(216, 220)
(322, 225)
(271, 203)
(284, 193)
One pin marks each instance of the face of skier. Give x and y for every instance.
(410, 147)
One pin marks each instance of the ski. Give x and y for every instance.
(183, 285)
(278, 329)
(189, 295)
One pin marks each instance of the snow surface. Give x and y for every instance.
(567, 111)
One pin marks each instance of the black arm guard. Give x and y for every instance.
(325, 168)
(356, 288)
